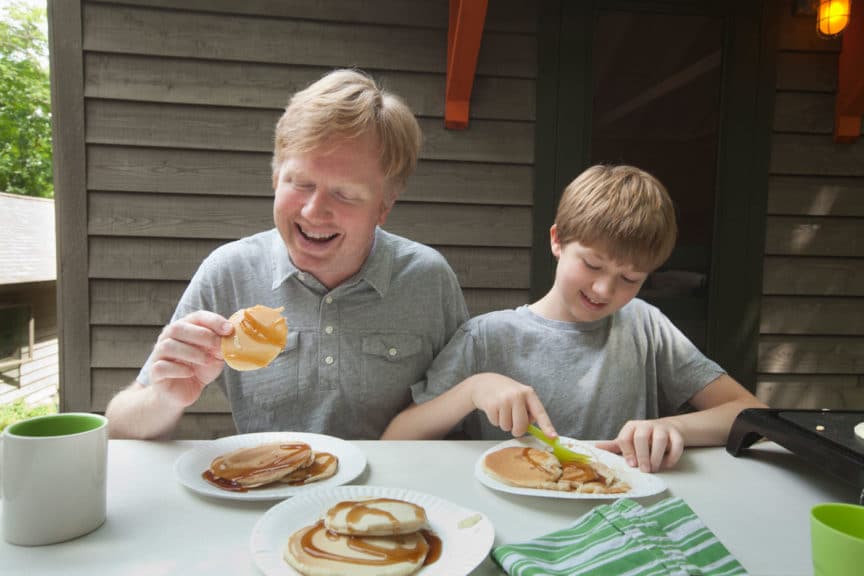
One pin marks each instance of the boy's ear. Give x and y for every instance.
(553, 241)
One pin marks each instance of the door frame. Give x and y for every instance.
(563, 144)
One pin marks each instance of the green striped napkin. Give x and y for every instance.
(666, 539)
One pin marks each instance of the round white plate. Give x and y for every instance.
(641, 484)
(193, 463)
(462, 549)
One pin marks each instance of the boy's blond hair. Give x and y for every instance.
(622, 211)
(347, 104)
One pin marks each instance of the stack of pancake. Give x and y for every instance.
(374, 537)
(536, 468)
(285, 462)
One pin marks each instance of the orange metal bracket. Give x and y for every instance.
(850, 82)
(467, 18)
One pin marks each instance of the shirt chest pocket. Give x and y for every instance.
(392, 362)
(275, 384)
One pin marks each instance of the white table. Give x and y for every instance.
(758, 505)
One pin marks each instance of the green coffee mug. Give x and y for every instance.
(53, 477)
(837, 537)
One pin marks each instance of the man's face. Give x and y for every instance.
(327, 205)
(588, 284)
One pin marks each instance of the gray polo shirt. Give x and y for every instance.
(352, 353)
(592, 377)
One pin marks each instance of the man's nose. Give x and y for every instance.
(317, 205)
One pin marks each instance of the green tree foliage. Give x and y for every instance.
(25, 103)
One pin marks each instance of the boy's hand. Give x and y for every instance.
(187, 356)
(649, 444)
(510, 405)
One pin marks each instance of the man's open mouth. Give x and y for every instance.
(315, 237)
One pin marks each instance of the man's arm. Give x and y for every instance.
(186, 358)
(141, 412)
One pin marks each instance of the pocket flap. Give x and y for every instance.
(392, 346)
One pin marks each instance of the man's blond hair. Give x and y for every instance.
(345, 105)
(622, 211)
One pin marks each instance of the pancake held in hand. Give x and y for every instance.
(316, 551)
(324, 465)
(536, 468)
(258, 465)
(259, 335)
(375, 517)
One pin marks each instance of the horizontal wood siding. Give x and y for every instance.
(811, 352)
(180, 101)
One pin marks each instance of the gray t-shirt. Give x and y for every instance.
(592, 377)
(352, 353)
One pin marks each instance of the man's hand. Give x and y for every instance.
(509, 404)
(187, 356)
(649, 444)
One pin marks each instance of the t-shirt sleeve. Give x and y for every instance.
(452, 365)
(682, 370)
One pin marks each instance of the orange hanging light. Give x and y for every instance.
(832, 17)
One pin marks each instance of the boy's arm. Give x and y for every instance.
(432, 420)
(655, 444)
(507, 403)
(717, 405)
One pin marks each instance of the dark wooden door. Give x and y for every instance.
(682, 89)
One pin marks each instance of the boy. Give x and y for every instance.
(588, 356)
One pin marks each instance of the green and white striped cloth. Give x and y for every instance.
(624, 539)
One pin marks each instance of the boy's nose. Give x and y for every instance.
(604, 287)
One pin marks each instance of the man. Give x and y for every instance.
(367, 311)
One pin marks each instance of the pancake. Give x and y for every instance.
(526, 467)
(259, 465)
(598, 479)
(536, 468)
(375, 517)
(324, 465)
(315, 551)
(259, 335)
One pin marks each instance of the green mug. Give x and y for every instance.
(837, 537)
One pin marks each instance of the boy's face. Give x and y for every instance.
(588, 284)
(326, 208)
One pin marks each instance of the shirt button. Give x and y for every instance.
(392, 352)
(328, 299)
(328, 360)
(301, 276)
(328, 329)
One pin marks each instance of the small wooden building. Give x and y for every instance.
(164, 113)
(28, 300)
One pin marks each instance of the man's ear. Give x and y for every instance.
(275, 178)
(553, 241)
(385, 211)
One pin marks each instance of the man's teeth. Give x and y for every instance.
(315, 236)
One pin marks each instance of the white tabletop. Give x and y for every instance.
(757, 505)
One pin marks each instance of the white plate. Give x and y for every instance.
(462, 549)
(193, 463)
(641, 484)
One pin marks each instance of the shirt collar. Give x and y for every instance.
(376, 270)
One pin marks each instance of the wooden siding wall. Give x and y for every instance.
(179, 105)
(811, 349)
